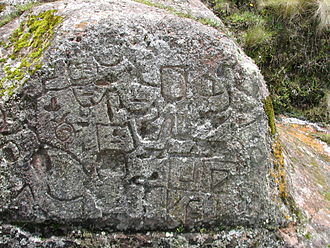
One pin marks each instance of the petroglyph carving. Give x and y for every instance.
(174, 82)
(53, 106)
(88, 96)
(10, 152)
(218, 178)
(3, 123)
(114, 138)
(135, 129)
(194, 211)
(64, 131)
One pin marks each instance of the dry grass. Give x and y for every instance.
(323, 14)
(292, 9)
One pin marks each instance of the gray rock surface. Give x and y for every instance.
(240, 237)
(138, 120)
(18, 2)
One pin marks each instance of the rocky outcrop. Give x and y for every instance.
(131, 116)
(307, 162)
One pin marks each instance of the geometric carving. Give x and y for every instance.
(114, 138)
(191, 174)
(146, 129)
(174, 83)
(194, 211)
(89, 95)
(214, 90)
(218, 178)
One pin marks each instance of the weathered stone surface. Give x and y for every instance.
(138, 120)
(308, 166)
(18, 2)
(239, 237)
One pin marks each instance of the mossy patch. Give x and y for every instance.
(327, 196)
(25, 49)
(269, 109)
(325, 137)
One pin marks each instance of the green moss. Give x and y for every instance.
(327, 196)
(325, 137)
(308, 236)
(268, 107)
(26, 46)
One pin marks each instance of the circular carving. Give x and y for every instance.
(64, 132)
(10, 152)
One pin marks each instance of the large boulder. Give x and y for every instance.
(131, 117)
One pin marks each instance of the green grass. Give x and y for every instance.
(247, 17)
(256, 35)
(294, 9)
(290, 42)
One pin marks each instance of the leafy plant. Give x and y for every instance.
(180, 229)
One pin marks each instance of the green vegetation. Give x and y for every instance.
(25, 49)
(308, 236)
(327, 196)
(180, 229)
(324, 137)
(268, 106)
(290, 42)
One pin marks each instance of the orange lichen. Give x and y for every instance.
(279, 173)
(81, 25)
(305, 134)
